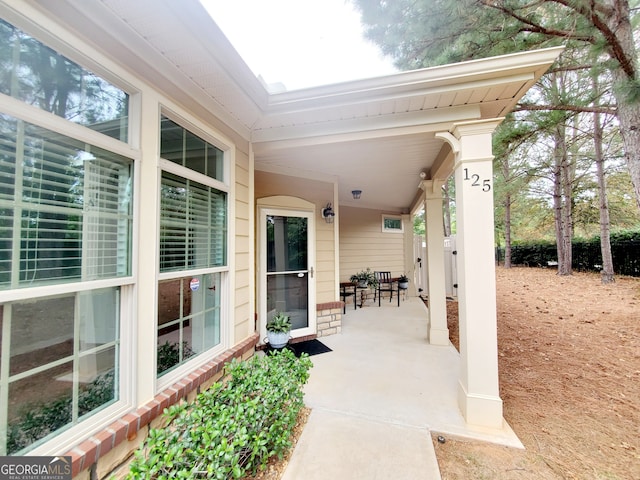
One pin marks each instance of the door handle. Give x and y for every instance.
(311, 272)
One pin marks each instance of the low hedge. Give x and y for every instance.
(586, 254)
(232, 429)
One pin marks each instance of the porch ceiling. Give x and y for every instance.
(375, 135)
(386, 169)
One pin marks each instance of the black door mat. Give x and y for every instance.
(310, 347)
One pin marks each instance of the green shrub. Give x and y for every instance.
(586, 253)
(232, 429)
(38, 420)
(169, 355)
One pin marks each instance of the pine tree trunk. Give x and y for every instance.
(625, 80)
(605, 224)
(446, 218)
(507, 215)
(568, 178)
(557, 209)
(629, 117)
(562, 211)
(507, 231)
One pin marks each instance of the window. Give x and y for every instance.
(190, 325)
(62, 363)
(392, 224)
(193, 246)
(39, 76)
(192, 225)
(184, 148)
(65, 208)
(66, 222)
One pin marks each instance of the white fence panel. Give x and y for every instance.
(450, 267)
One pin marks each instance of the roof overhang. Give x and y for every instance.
(375, 135)
(378, 135)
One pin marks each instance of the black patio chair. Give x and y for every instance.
(386, 284)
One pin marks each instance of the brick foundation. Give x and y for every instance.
(329, 318)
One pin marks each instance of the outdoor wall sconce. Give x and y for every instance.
(356, 194)
(328, 214)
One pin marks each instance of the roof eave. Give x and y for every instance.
(534, 63)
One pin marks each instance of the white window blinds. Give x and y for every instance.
(193, 227)
(65, 208)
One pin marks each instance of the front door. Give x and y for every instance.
(286, 269)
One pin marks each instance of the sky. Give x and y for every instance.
(299, 43)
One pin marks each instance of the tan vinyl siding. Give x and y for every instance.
(242, 311)
(363, 243)
(318, 193)
(243, 324)
(325, 262)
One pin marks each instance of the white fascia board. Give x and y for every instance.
(425, 119)
(266, 147)
(361, 97)
(535, 63)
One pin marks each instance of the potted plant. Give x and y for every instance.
(278, 330)
(365, 278)
(403, 282)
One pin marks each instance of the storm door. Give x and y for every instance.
(286, 270)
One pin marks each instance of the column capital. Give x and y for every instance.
(432, 188)
(475, 140)
(476, 127)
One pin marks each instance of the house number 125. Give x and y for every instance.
(475, 180)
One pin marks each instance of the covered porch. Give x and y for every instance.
(383, 386)
(396, 140)
(280, 159)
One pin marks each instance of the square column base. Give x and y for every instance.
(439, 337)
(481, 410)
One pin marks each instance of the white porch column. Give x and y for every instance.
(478, 394)
(436, 291)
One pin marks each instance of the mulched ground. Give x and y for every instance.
(569, 359)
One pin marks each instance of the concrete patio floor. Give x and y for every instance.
(378, 396)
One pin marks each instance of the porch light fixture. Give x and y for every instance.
(328, 214)
(356, 194)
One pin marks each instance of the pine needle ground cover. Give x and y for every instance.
(569, 362)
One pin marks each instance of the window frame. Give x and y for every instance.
(19, 203)
(126, 380)
(385, 229)
(69, 437)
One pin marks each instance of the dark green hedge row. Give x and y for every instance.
(625, 249)
(233, 428)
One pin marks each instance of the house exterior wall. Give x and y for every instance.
(363, 244)
(100, 444)
(244, 247)
(319, 193)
